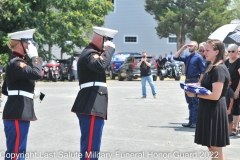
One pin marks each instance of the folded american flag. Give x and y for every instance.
(195, 89)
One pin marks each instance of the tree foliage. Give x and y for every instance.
(235, 5)
(56, 21)
(195, 19)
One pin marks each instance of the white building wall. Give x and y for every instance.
(56, 51)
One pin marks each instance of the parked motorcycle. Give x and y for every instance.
(45, 69)
(171, 70)
(51, 70)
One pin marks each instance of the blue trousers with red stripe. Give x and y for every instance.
(16, 133)
(91, 128)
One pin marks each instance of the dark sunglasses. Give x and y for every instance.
(231, 51)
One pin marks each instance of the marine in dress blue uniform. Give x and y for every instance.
(92, 100)
(19, 86)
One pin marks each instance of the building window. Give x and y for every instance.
(172, 39)
(131, 39)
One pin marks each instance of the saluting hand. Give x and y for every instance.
(108, 43)
(185, 46)
(32, 50)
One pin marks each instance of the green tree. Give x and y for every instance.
(56, 21)
(72, 20)
(211, 17)
(195, 19)
(235, 5)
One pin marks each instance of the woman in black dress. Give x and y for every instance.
(212, 120)
(233, 65)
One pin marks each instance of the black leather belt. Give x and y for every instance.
(193, 78)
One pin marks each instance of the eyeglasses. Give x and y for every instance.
(231, 51)
(201, 50)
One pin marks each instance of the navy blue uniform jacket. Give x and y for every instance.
(92, 100)
(20, 76)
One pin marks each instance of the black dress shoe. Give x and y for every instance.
(192, 126)
(186, 125)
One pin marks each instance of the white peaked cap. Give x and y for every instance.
(105, 31)
(27, 34)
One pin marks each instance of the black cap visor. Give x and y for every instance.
(30, 39)
(107, 38)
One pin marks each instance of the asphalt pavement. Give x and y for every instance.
(136, 129)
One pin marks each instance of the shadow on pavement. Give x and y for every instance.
(136, 98)
(176, 123)
(176, 128)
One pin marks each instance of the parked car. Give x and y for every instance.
(66, 68)
(130, 70)
(116, 62)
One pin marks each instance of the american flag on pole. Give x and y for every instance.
(195, 89)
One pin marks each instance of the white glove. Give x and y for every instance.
(109, 43)
(32, 50)
(36, 93)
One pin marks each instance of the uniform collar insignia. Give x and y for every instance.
(15, 54)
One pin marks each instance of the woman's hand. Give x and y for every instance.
(190, 94)
(229, 111)
(236, 94)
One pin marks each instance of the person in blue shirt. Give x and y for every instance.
(194, 70)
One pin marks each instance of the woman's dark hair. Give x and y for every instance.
(217, 45)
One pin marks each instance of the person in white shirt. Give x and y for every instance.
(74, 69)
(170, 57)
